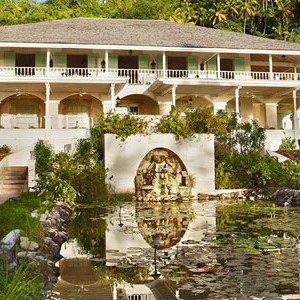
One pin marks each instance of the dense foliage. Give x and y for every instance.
(66, 176)
(270, 18)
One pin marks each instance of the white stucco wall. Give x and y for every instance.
(122, 159)
(274, 137)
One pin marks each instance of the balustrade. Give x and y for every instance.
(137, 76)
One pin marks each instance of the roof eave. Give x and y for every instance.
(147, 48)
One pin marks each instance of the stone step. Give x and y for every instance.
(11, 177)
(14, 170)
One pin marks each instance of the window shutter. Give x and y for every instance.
(9, 59)
(192, 63)
(112, 61)
(239, 64)
(143, 62)
(212, 64)
(60, 60)
(159, 62)
(92, 61)
(40, 60)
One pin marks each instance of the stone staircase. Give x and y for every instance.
(13, 180)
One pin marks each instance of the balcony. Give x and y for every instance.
(134, 76)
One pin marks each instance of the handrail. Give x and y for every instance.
(139, 76)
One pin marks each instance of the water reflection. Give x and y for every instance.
(188, 250)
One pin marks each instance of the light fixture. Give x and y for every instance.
(153, 65)
(118, 101)
(190, 101)
(81, 93)
(202, 66)
(283, 57)
(103, 64)
(18, 93)
(130, 52)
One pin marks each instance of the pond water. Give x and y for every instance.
(187, 250)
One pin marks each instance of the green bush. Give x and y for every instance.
(287, 144)
(5, 149)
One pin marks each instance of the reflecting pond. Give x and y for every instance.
(188, 250)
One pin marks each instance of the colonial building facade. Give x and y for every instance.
(59, 74)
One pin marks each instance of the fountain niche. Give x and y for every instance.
(162, 176)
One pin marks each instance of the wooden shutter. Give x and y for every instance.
(159, 62)
(192, 62)
(92, 61)
(212, 64)
(143, 61)
(112, 61)
(9, 59)
(60, 60)
(40, 60)
(239, 64)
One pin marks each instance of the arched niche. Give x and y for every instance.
(140, 105)
(162, 176)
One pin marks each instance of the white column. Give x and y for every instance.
(218, 65)
(237, 99)
(271, 115)
(53, 107)
(106, 105)
(48, 58)
(270, 67)
(164, 63)
(164, 107)
(47, 107)
(174, 94)
(106, 61)
(112, 93)
(219, 106)
(295, 116)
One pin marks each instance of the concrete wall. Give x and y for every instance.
(123, 158)
(274, 137)
(19, 139)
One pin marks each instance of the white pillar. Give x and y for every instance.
(174, 95)
(270, 67)
(53, 107)
(219, 106)
(106, 104)
(47, 107)
(271, 115)
(295, 116)
(164, 107)
(164, 64)
(218, 65)
(237, 99)
(106, 61)
(48, 58)
(112, 93)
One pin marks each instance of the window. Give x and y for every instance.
(132, 108)
(77, 109)
(25, 109)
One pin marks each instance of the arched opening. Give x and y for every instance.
(285, 114)
(162, 176)
(191, 101)
(22, 111)
(140, 105)
(79, 111)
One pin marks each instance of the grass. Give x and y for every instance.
(15, 214)
(26, 282)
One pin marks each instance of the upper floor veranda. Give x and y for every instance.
(137, 67)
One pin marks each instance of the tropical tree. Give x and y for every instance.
(247, 10)
(217, 14)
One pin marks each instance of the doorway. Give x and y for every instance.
(128, 66)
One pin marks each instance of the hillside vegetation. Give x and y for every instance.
(277, 19)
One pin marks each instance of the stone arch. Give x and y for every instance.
(285, 111)
(162, 175)
(79, 110)
(22, 111)
(140, 104)
(182, 102)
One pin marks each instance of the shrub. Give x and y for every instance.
(287, 144)
(5, 149)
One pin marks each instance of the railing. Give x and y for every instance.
(78, 121)
(23, 121)
(138, 76)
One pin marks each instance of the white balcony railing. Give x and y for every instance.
(23, 121)
(137, 76)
